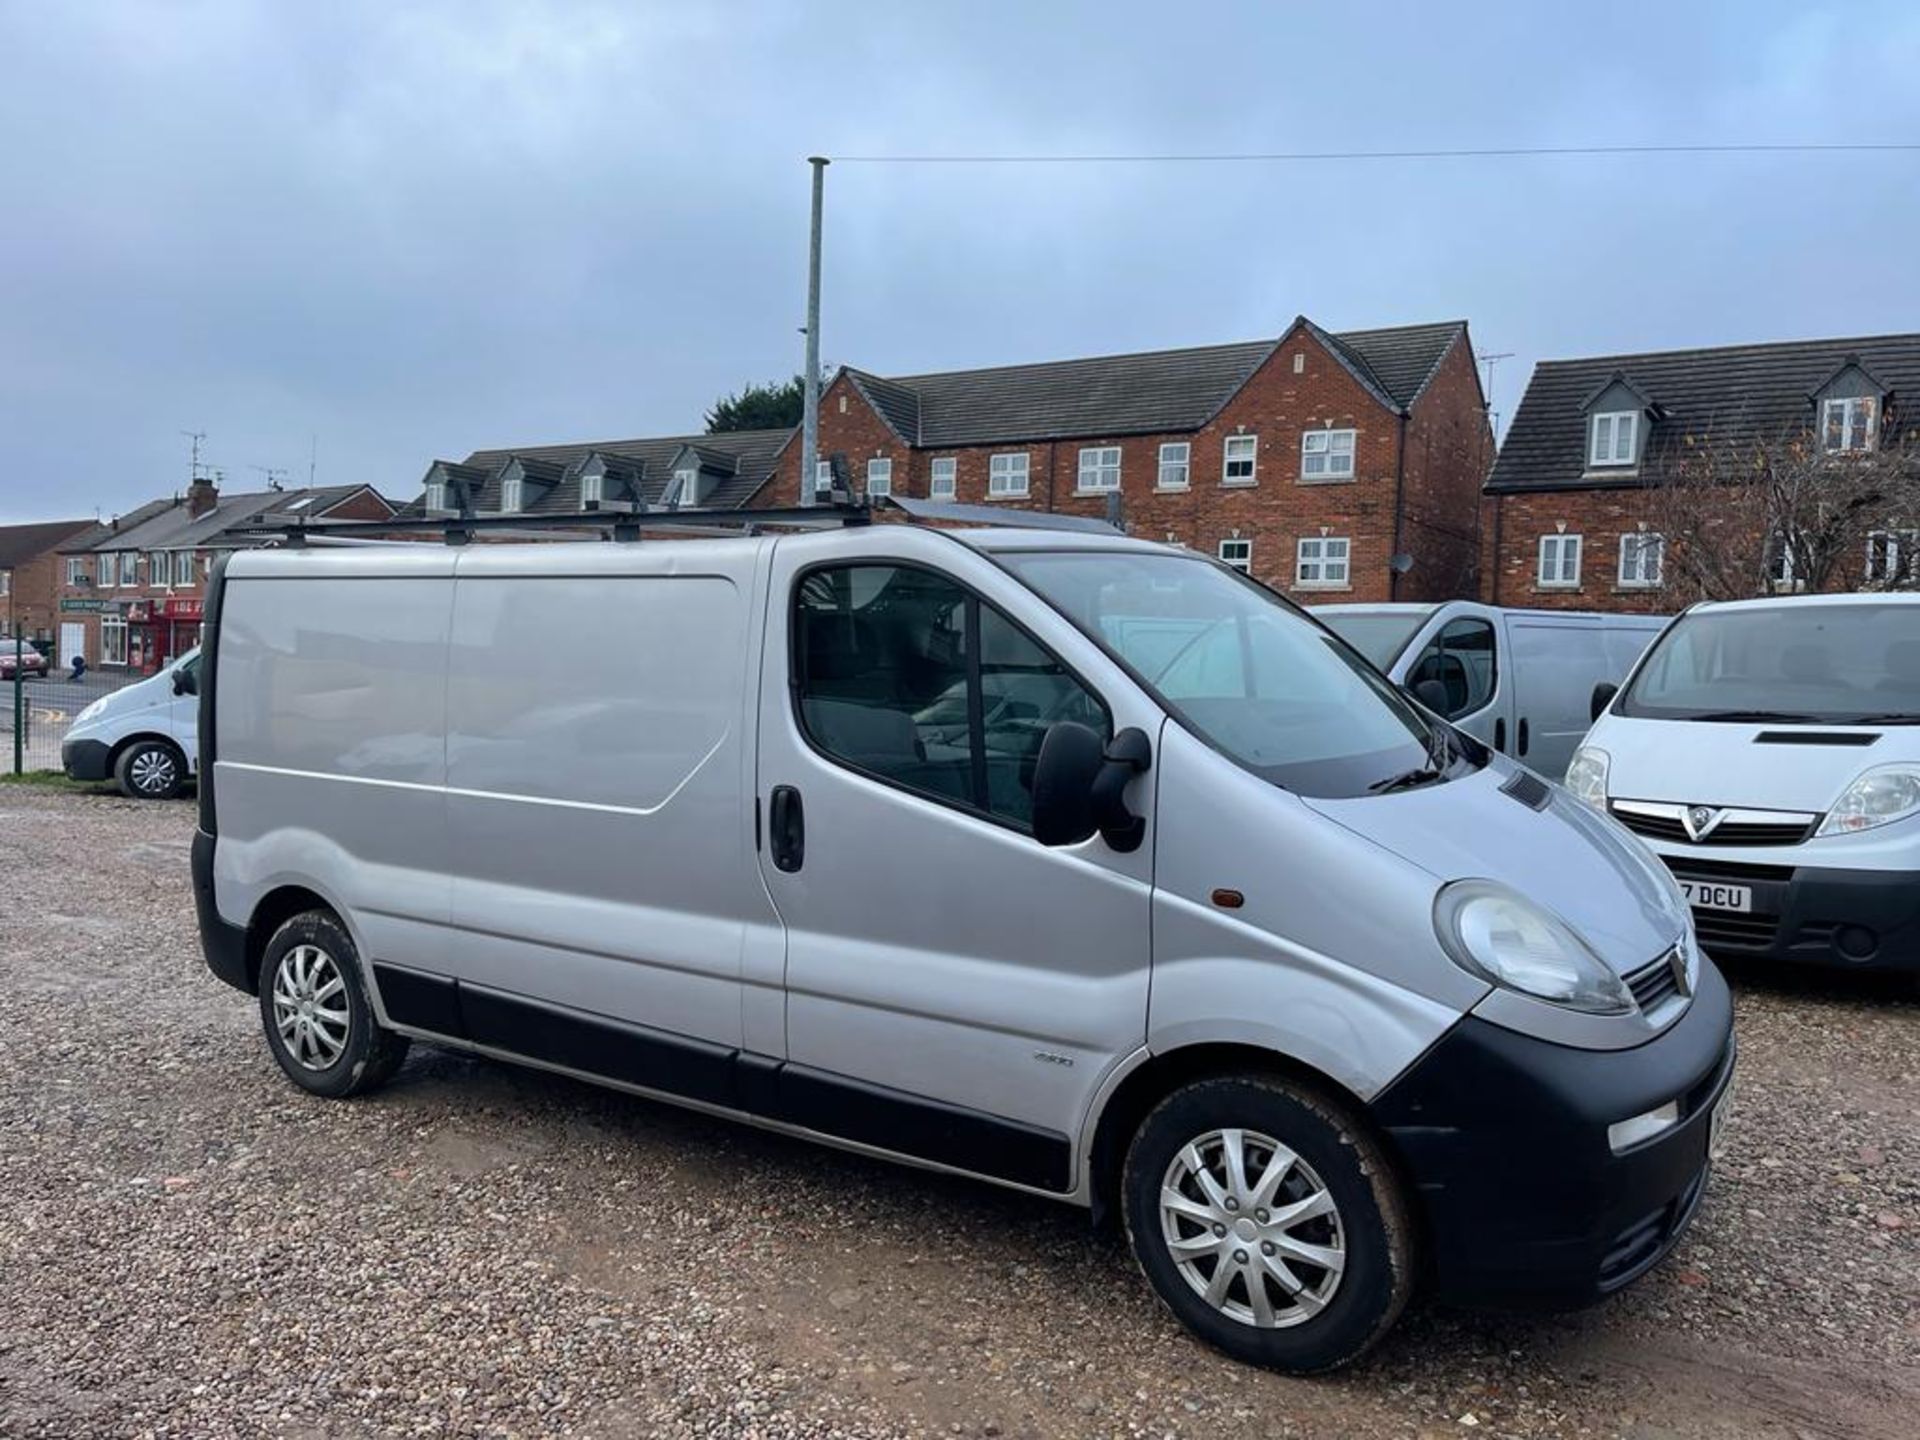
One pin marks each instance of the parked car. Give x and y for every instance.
(143, 736)
(1769, 751)
(21, 660)
(1318, 993)
(1518, 680)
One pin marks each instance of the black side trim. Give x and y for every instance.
(428, 1002)
(761, 1085)
(209, 672)
(631, 1054)
(1814, 737)
(224, 946)
(926, 1129)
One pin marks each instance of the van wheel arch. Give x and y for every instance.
(274, 910)
(1152, 1082)
(151, 737)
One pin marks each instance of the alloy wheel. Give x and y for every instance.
(310, 1007)
(152, 772)
(1252, 1228)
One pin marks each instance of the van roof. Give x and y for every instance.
(1795, 602)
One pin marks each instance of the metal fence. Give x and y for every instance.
(36, 710)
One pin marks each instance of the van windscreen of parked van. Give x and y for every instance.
(1380, 636)
(1245, 672)
(1831, 664)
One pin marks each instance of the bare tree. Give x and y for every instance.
(1754, 516)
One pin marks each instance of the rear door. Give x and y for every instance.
(954, 989)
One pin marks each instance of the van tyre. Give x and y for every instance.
(1270, 1221)
(151, 770)
(319, 1024)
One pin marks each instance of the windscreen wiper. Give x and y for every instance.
(1884, 717)
(1760, 717)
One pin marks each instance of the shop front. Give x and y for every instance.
(176, 627)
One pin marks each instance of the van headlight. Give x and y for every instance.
(1878, 796)
(1587, 776)
(1502, 937)
(90, 710)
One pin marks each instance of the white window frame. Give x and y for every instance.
(1238, 554)
(436, 497)
(943, 478)
(1251, 459)
(183, 569)
(593, 490)
(113, 628)
(1562, 543)
(1323, 562)
(1614, 424)
(1857, 415)
(129, 570)
(822, 478)
(76, 571)
(1899, 555)
(1099, 470)
(1634, 549)
(1327, 455)
(103, 570)
(6, 583)
(513, 496)
(1009, 475)
(1176, 461)
(880, 475)
(160, 569)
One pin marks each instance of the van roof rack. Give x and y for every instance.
(626, 524)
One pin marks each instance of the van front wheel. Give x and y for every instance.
(151, 770)
(1269, 1221)
(319, 1024)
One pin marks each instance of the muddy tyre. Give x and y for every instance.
(1269, 1220)
(319, 1023)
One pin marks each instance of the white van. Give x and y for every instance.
(1769, 750)
(1519, 680)
(1183, 912)
(144, 736)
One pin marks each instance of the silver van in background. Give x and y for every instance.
(1521, 681)
(1077, 864)
(1769, 751)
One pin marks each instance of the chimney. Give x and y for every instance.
(202, 495)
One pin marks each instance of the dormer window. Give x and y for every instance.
(683, 491)
(592, 490)
(1615, 438)
(512, 496)
(1847, 424)
(436, 496)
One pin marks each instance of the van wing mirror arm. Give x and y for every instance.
(1128, 754)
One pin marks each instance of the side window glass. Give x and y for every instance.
(1461, 659)
(905, 675)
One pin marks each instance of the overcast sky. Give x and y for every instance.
(415, 228)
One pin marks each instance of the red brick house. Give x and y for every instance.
(132, 587)
(1575, 508)
(1313, 460)
(30, 572)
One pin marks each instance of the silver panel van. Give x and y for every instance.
(1519, 680)
(1769, 752)
(1074, 863)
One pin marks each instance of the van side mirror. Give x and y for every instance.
(1603, 694)
(184, 684)
(1079, 786)
(1430, 693)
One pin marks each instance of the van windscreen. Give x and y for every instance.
(1782, 664)
(1247, 673)
(1380, 635)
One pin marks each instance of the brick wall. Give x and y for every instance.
(1276, 405)
(35, 598)
(1515, 523)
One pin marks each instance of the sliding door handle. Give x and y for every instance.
(787, 829)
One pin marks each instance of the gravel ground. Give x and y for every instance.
(190, 1246)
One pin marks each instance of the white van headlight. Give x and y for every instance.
(1876, 797)
(91, 710)
(1587, 776)
(1503, 937)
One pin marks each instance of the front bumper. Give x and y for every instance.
(1811, 915)
(85, 759)
(1505, 1137)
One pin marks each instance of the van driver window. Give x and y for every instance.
(905, 675)
(1461, 659)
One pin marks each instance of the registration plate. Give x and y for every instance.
(1708, 895)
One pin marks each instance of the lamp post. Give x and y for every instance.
(810, 381)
